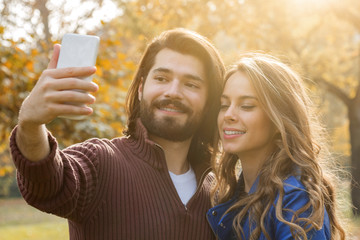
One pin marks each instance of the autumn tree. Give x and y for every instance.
(351, 99)
(24, 57)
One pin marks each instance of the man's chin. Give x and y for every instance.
(168, 129)
(176, 121)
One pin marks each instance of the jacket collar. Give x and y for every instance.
(254, 186)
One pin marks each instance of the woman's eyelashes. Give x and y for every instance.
(224, 106)
(245, 107)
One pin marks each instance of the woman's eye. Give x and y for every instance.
(247, 107)
(224, 106)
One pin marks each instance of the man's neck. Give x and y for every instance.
(175, 154)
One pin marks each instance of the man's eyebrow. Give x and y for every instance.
(194, 77)
(187, 76)
(164, 70)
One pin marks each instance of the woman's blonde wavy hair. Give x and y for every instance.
(300, 150)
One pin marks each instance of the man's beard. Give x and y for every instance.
(167, 127)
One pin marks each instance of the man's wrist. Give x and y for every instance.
(32, 141)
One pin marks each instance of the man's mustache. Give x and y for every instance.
(177, 104)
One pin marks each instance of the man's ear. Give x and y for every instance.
(140, 89)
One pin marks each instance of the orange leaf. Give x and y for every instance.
(30, 66)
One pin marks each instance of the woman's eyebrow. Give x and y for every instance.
(225, 97)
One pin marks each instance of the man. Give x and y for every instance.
(151, 184)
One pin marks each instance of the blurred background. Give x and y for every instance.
(319, 38)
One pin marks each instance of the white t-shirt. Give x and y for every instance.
(185, 184)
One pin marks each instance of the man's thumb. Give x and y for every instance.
(55, 56)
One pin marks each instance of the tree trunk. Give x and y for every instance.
(354, 119)
(44, 13)
(353, 107)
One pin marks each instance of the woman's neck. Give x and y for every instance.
(251, 165)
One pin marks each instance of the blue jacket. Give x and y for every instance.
(295, 197)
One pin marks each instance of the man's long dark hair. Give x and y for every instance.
(190, 43)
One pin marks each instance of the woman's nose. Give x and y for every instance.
(230, 114)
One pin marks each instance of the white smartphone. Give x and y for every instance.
(78, 51)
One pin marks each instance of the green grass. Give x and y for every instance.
(19, 221)
(38, 231)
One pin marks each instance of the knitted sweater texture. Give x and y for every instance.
(114, 189)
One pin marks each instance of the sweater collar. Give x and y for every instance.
(153, 153)
(146, 149)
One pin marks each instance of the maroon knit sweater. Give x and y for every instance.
(114, 189)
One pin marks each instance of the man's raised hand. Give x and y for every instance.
(54, 90)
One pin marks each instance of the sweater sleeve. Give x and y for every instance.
(64, 183)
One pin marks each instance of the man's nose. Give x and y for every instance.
(174, 89)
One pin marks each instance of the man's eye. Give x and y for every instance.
(160, 79)
(192, 85)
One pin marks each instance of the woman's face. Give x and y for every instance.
(244, 126)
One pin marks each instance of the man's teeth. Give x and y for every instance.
(171, 110)
(233, 132)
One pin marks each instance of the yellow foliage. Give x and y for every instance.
(141, 37)
(34, 52)
(30, 66)
(341, 138)
(116, 125)
(6, 170)
(99, 72)
(104, 113)
(121, 56)
(129, 65)
(8, 64)
(106, 64)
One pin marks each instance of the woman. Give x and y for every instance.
(266, 121)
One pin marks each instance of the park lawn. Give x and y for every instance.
(19, 221)
(38, 231)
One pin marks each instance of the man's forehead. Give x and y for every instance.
(173, 62)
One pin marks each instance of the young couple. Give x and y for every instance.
(156, 182)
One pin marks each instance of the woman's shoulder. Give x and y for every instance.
(295, 194)
(293, 184)
(295, 198)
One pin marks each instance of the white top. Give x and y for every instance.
(185, 184)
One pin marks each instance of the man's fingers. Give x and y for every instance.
(71, 72)
(55, 56)
(74, 83)
(68, 109)
(67, 97)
